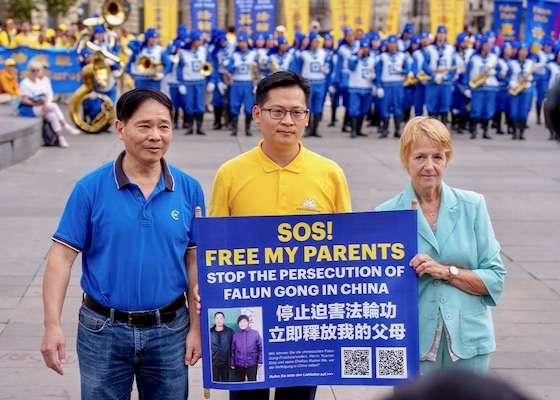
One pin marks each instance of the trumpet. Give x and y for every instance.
(147, 67)
(206, 69)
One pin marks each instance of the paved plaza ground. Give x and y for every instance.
(520, 180)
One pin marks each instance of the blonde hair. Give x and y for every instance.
(34, 64)
(433, 129)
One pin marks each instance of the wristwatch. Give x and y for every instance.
(453, 272)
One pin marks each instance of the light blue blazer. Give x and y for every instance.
(464, 238)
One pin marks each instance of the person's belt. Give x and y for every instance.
(137, 318)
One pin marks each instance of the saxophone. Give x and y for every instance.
(523, 81)
(481, 78)
(413, 80)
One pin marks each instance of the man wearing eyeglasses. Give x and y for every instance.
(279, 177)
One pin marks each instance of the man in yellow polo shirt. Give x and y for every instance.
(279, 177)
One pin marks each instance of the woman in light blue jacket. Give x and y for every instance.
(461, 274)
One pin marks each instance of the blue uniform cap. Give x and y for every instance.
(196, 35)
(392, 39)
(259, 36)
(461, 37)
(313, 35)
(243, 37)
(547, 41)
(282, 40)
(300, 36)
(515, 44)
(364, 43)
(490, 33)
(415, 39)
(269, 36)
(408, 28)
(375, 36)
(478, 37)
(99, 29)
(86, 52)
(441, 29)
(150, 33)
(327, 36)
(347, 29)
(484, 40)
(425, 35)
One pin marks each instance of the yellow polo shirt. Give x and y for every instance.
(251, 184)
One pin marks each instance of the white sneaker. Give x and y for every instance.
(62, 142)
(71, 130)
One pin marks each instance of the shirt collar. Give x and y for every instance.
(122, 180)
(294, 166)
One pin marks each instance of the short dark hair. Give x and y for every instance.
(130, 101)
(219, 312)
(241, 317)
(281, 79)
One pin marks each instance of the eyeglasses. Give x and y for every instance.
(278, 113)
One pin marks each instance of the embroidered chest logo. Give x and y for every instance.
(309, 203)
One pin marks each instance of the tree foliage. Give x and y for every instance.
(59, 7)
(22, 9)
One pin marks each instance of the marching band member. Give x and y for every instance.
(391, 68)
(360, 85)
(346, 49)
(440, 64)
(220, 50)
(459, 113)
(99, 39)
(483, 64)
(172, 52)
(154, 54)
(314, 64)
(406, 37)
(280, 57)
(520, 74)
(502, 95)
(418, 55)
(374, 116)
(191, 81)
(243, 66)
(541, 58)
(410, 90)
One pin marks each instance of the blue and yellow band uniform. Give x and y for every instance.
(252, 184)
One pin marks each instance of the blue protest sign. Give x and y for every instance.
(308, 300)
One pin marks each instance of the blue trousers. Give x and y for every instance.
(111, 354)
(392, 102)
(360, 103)
(176, 98)
(217, 98)
(438, 98)
(408, 100)
(241, 93)
(419, 99)
(149, 83)
(520, 105)
(542, 87)
(502, 100)
(483, 104)
(194, 99)
(317, 96)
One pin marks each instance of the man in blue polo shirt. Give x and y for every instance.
(133, 222)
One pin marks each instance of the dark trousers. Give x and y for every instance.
(249, 372)
(285, 393)
(220, 374)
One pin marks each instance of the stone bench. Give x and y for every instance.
(20, 138)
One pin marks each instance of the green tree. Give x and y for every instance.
(22, 9)
(59, 7)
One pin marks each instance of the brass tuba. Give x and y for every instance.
(115, 12)
(147, 67)
(206, 69)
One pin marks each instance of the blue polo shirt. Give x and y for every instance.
(132, 249)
